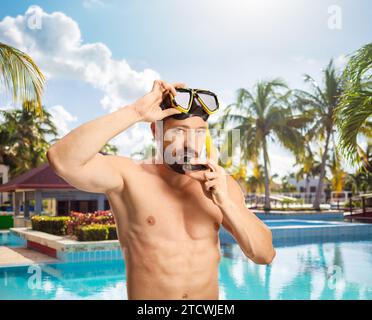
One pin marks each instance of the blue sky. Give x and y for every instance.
(113, 50)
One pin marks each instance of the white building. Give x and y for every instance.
(4, 178)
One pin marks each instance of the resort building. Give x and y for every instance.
(41, 191)
(4, 176)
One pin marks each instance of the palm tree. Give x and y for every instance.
(110, 148)
(338, 174)
(353, 115)
(320, 104)
(262, 115)
(309, 167)
(255, 182)
(21, 76)
(24, 138)
(240, 175)
(367, 158)
(286, 186)
(361, 181)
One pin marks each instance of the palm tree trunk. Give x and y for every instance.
(307, 188)
(322, 173)
(267, 180)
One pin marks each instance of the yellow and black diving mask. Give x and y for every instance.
(191, 102)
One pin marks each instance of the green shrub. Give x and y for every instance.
(59, 226)
(52, 225)
(6, 221)
(355, 204)
(112, 235)
(93, 232)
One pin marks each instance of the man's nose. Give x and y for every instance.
(189, 139)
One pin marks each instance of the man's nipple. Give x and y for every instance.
(150, 220)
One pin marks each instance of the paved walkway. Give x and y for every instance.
(22, 256)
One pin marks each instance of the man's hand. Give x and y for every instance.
(148, 107)
(214, 182)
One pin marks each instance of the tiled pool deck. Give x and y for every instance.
(22, 257)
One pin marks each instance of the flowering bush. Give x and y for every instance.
(79, 219)
(77, 223)
(52, 225)
(96, 232)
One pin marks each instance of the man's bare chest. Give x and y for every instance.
(156, 208)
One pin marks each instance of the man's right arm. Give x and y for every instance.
(76, 156)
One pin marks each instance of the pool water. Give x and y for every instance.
(332, 270)
(9, 239)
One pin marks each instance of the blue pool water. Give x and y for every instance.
(9, 239)
(332, 270)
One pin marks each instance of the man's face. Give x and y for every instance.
(181, 136)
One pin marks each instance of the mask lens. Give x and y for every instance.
(182, 99)
(209, 100)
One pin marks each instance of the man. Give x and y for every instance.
(167, 222)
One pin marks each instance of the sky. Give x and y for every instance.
(99, 55)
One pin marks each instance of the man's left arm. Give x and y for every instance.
(252, 235)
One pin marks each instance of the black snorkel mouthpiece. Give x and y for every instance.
(185, 165)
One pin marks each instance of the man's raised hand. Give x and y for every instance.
(148, 107)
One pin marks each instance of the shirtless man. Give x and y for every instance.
(167, 222)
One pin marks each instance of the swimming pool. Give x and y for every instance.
(315, 260)
(332, 270)
(9, 239)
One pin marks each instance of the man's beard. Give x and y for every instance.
(180, 166)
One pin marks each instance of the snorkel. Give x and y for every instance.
(195, 167)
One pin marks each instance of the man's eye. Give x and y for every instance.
(178, 131)
(200, 132)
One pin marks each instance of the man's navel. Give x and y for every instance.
(150, 220)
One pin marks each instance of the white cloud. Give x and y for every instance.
(61, 119)
(134, 139)
(56, 44)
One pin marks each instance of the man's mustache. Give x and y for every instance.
(185, 154)
(190, 151)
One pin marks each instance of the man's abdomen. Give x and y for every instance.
(172, 269)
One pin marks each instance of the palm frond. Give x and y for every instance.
(354, 112)
(21, 76)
